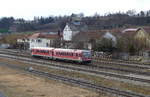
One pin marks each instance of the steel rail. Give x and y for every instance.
(88, 71)
(84, 84)
(105, 66)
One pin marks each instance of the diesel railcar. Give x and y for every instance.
(81, 56)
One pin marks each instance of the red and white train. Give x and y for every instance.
(81, 56)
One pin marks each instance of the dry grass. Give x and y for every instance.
(111, 83)
(15, 83)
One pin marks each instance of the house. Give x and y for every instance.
(71, 30)
(110, 36)
(140, 36)
(44, 40)
(23, 42)
(40, 39)
(89, 39)
(136, 39)
(85, 40)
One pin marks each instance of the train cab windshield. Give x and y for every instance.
(87, 54)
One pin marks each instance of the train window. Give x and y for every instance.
(37, 51)
(67, 53)
(71, 54)
(32, 50)
(47, 51)
(59, 53)
(76, 54)
(87, 54)
(79, 55)
(42, 51)
(62, 53)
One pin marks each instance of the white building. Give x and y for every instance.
(43, 40)
(69, 31)
(39, 40)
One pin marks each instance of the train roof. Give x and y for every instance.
(61, 49)
(71, 50)
(45, 48)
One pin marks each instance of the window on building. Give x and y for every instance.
(39, 40)
(32, 40)
(23, 40)
(47, 44)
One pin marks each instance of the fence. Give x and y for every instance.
(102, 55)
(119, 56)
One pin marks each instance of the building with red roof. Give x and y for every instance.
(42, 39)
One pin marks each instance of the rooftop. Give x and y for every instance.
(44, 35)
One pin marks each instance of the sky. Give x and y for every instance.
(27, 9)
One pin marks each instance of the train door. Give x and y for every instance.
(51, 53)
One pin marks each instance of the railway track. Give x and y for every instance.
(135, 69)
(81, 83)
(119, 60)
(112, 62)
(94, 58)
(122, 64)
(89, 71)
